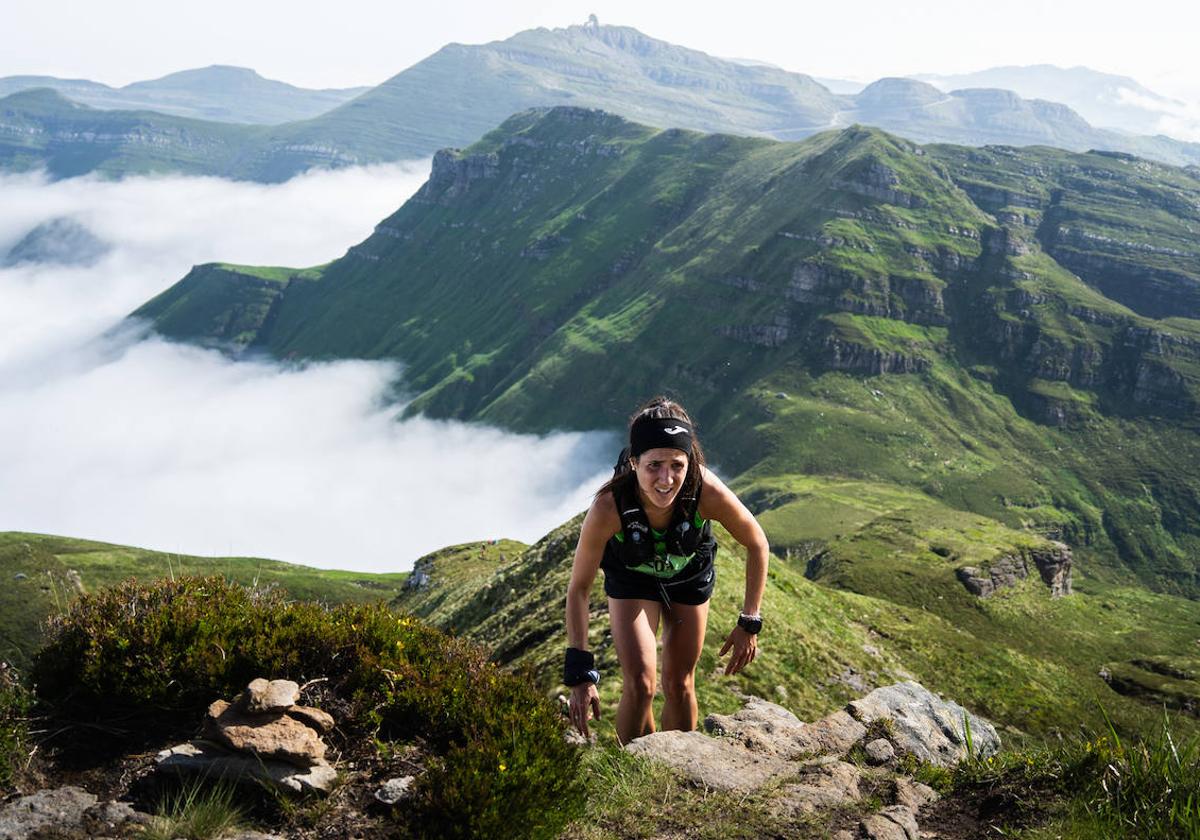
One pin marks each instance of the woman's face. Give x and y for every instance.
(660, 474)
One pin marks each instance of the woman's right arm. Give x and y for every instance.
(599, 525)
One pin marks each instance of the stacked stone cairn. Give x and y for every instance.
(263, 735)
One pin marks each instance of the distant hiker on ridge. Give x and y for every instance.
(649, 529)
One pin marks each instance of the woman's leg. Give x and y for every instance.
(683, 639)
(634, 630)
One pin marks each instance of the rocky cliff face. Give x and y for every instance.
(1052, 563)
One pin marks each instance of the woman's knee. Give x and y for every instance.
(678, 685)
(639, 686)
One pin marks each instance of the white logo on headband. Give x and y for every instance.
(675, 430)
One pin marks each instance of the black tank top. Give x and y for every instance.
(637, 547)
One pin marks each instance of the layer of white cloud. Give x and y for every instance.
(1180, 120)
(166, 446)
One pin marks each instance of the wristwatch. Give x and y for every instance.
(752, 624)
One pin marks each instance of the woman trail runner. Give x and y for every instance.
(649, 529)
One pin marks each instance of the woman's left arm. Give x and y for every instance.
(720, 503)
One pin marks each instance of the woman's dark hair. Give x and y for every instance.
(624, 477)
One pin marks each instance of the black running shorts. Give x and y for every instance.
(693, 589)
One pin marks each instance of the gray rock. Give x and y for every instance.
(213, 761)
(1053, 564)
(766, 727)
(714, 762)
(61, 808)
(913, 795)
(892, 823)
(112, 815)
(394, 790)
(823, 783)
(924, 725)
(271, 696)
(880, 751)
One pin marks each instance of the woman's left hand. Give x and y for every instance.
(745, 648)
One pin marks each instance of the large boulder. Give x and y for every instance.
(767, 727)
(822, 783)
(713, 762)
(924, 725)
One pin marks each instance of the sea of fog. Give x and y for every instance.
(108, 435)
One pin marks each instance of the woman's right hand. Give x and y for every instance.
(585, 705)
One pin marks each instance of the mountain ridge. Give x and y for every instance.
(455, 95)
(567, 237)
(223, 93)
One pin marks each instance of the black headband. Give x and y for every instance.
(659, 433)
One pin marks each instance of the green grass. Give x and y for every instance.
(44, 573)
(1097, 783)
(200, 810)
(632, 796)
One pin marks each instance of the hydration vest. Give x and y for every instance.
(663, 554)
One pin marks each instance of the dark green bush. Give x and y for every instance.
(499, 766)
(15, 705)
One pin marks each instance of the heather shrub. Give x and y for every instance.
(15, 705)
(498, 766)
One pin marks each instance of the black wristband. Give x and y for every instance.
(580, 667)
(751, 624)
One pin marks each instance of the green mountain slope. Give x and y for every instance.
(1011, 332)
(41, 574)
(455, 95)
(221, 93)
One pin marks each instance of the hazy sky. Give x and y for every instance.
(173, 447)
(363, 42)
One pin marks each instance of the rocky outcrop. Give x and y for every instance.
(917, 300)
(1122, 273)
(261, 735)
(713, 762)
(1053, 564)
(764, 742)
(839, 354)
(760, 335)
(68, 811)
(924, 725)
(879, 181)
(420, 578)
(453, 174)
(767, 727)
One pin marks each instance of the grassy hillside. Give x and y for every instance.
(1011, 333)
(42, 574)
(883, 610)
